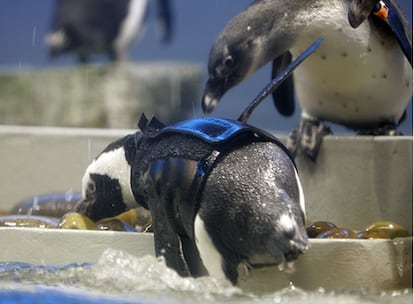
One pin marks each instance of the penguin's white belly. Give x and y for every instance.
(132, 26)
(353, 81)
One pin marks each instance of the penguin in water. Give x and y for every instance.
(221, 192)
(86, 27)
(361, 76)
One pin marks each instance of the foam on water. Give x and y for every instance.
(118, 277)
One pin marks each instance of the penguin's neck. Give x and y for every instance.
(287, 23)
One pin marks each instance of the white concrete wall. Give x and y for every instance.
(355, 181)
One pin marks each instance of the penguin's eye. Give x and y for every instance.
(91, 188)
(228, 62)
(381, 10)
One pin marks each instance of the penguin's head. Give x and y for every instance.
(252, 212)
(57, 42)
(228, 65)
(106, 186)
(239, 50)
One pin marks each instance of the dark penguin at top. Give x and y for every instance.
(360, 77)
(221, 192)
(90, 27)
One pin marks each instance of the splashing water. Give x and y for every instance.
(118, 277)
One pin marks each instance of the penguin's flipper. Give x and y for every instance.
(165, 19)
(167, 242)
(283, 96)
(401, 28)
(389, 12)
(192, 257)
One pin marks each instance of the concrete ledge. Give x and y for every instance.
(112, 95)
(42, 246)
(342, 263)
(359, 180)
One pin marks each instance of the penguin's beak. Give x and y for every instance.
(83, 207)
(213, 92)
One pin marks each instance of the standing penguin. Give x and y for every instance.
(87, 27)
(221, 193)
(361, 76)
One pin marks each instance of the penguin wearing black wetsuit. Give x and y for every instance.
(220, 193)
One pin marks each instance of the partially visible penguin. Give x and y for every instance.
(87, 27)
(220, 193)
(361, 76)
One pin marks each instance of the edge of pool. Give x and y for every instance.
(377, 264)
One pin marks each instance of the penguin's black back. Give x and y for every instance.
(244, 197)
(171, 146)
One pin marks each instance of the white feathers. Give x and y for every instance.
(301, 195)
(357, 76)
(131, 26)
(286, 222)
(114, 165)
(211, 258)
(56, 40)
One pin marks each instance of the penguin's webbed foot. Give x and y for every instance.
(384, 129)
(307, 138)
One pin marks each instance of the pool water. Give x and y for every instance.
(118, 277)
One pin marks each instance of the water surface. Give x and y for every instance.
(118, 277)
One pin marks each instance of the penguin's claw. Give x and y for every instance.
(307, 138)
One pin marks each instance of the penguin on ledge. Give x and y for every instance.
(102, 26)
(361, 76)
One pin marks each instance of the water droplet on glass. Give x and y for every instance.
(34, 36)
